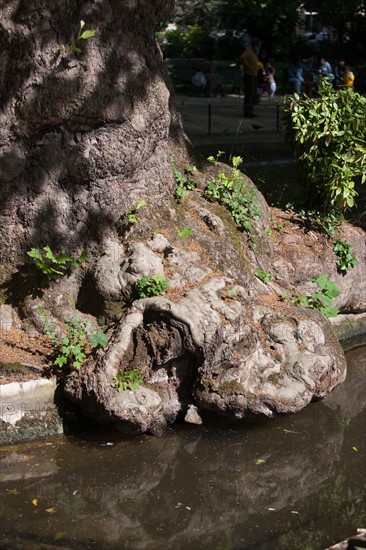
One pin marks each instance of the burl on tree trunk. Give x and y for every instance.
(86, 135)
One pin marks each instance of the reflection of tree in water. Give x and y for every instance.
(205, 487)
(181, 488)
(349, 399)
(336, 500)
(343, 497)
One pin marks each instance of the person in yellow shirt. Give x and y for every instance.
(249, 62)
(348, 77)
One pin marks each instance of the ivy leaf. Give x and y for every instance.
(98, 339)
(60, 361)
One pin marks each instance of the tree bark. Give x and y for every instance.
(83, 137)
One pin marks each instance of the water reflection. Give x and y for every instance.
(219, 487)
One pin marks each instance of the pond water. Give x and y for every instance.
(294, 482)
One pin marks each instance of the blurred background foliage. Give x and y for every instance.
(220, 29)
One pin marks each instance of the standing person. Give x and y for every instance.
(270, 72)
(348, 77)
(295, 75)
(249, 62)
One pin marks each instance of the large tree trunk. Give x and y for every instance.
(83, 137)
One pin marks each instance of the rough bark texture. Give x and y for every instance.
(82, 138)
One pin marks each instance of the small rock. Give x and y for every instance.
(8, 318)
(192, 416)
(159, 243)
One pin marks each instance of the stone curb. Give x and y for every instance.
(19, 398)
(349, 325)
(28, 411)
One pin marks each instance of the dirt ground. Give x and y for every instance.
(22, 357)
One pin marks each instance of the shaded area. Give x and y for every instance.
(56, 106)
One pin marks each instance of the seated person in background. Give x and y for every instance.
(199, 82)
(295, 75)
(325, 69)
(348, 77)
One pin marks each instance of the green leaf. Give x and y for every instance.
(303, 301)
(264, 276)
(186, 232)
(76, 349)
(60, 361)
(98, 339)
(329, 311)
(83, 256)
(128, 381)
(327, 143)
(140, 203)
(35, 254)
(87, 34)
(151, 286)
(49, 254)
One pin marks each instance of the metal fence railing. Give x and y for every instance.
(225, 117)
